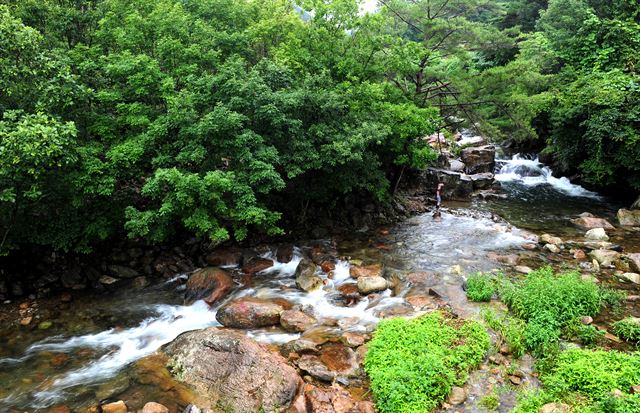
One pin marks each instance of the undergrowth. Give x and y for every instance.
(510, 329)
(628, 329)
(480, 287)
(414, 363)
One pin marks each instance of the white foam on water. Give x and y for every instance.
(269, 337)
(531, 172)
(341, 272)
(126, 346)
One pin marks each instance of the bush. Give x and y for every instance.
(413, 363)
(550, 303)
(585, 380)
(480, 287)
(628, 329)
(510, 329)
(490, 401)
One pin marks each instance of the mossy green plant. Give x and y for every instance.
(414, 363)
(628, 329)
(480, 287)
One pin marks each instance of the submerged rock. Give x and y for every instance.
(256, 264)
(591, 222)
(629, 217)
(208, 284)
(249, 312)
(229, 369)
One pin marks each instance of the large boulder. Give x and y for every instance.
(629, 217)
(209, 284)
(296, 321)
(605, 257)
(368, 285)
(479, 159)
(634, 261)
(306, 278)
(591, 222)
(371, 270)
(597, 234)
(231, 370)
(482, 180)
(224, 257)
(457, 186)
(256, 264)
(249, 312)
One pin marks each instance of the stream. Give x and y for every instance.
(87, 353)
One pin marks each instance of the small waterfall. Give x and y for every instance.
(529, 171)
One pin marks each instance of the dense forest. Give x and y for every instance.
(144, 118)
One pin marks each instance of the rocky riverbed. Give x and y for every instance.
(285, 327)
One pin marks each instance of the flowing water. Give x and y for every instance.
(87, 353)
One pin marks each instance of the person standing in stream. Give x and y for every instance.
(439, 188)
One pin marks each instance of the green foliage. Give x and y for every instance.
(490, 401)
(413, 363)
(585, 380)
(550, 303)
(628, 329)
(480, 287)
(511, 330)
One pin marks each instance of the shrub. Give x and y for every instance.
(480, 287)
(490, 401)
(510, 329)
(413, 363)
(628, 329)
(550, 303)
(585, 380)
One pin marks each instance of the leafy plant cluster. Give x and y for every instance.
(480, 287)
(413, 363)
(550, 304)
(510, 329)
(628, 329)
(590, 381)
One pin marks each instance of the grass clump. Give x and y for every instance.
(550, 303)
(414, 363)
(480, 287)
(510, 329)
(586, 379)
(628, 329)
(490, 402)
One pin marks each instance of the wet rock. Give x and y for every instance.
(115, 407)
(229, 369)
(256, 264)
(456, 165)
(552, 248)
(296, 321)
(368, 285)
(333, 400)
(550, 239)
(153, 407)
(140, 282)
(113, 387)
(306, 278)
(209, 284)
(480, 159)
(353, 339)
(555, 408)
(631, 277)
(106, 280)
(523, 269)
(372, 270)
(328, 266)
(634, 261)
(335, 361)
(284, 253)
(121, 271)
(588, 222)
(249, 312)
(349, 292)
(224, 257)
(605, 257)
(597, 234)
(508, 259)
(629, 217)
(394, 310)
(579, 255)
(482, 181)
(62, 408)
(458, 396)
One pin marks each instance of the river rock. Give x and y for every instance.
(334, 399)
(121, 271)
(523, 269)
(368, 285)
(115, 407)
(306, 278)
(249, 312)
(458, 395)
(629, 217)
(335, 361)
(284, 253)
(482, 181)
(106, 280)
(590, 222)
(550, 239)
(597, 234)
(555, 408)
(634, 261)
(229, 369)
(605, 257)
(153, 407)
(256, 264)
(508, 259)
(456, 166)
(600, 245)
(296, 320)
(579, 255)
(479, 159)
(372, 270)
(210, 284)
(552, 248)
(630, 277)
(224, 257)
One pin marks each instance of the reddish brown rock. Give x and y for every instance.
(327, 266)
(296, 321)
(249, 312)
(210, 284)
(284, 253)
(335, 361)
(372, 270)
(153, 407)
(115, 407)
(587, 222)
(224, 257)
(508, 259)
(59, 409)
(579, 255)
(229, 369)
(333, 400)
(349, 292)
(256, 265)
